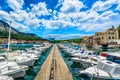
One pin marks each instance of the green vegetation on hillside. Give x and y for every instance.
(79, 40)
(15, 34)
(18, 36)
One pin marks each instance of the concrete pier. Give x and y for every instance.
(54, 68)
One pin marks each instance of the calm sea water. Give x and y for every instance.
(17, 47)
(74, 68)
(31, 73)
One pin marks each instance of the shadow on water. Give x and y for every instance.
(31, 73)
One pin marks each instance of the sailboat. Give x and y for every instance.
(11, 68)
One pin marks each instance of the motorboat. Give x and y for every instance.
(105, 69)
(11, 68)
(23, 60)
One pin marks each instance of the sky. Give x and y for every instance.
(61, 19)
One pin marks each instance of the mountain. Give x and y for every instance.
(77, 40)
(15, 34)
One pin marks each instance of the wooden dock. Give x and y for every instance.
(54, 68)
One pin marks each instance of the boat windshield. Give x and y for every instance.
(110, 58)
(100, 65)
(116, 71)
(2, 59)
(107, 68)
(114, 59)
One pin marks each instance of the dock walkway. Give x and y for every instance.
(54, 68)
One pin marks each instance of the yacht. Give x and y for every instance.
(23, 60)
(12, 68)
(89, 57)
(106, 69)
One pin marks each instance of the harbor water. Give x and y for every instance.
(33, 71)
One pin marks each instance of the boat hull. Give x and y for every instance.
(28, 63)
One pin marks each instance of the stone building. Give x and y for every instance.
(110, 37)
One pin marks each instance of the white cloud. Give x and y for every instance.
(107, 16)
(102, 6)
(55, 24)
(23, 19)
(68, 16)
(20, 27)
(39, 9)
(90, 17)
(100, 22)
(15, 4)
(60, 2)
(4, 15)
(74, 16)
(33, 22)
(71, 6)
(63, 37)
(118, 7)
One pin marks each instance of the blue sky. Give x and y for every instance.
(61, 19)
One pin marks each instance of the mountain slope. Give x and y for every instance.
(15, 34)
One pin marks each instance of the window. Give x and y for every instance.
(112, 37)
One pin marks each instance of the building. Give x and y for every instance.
(110, 37)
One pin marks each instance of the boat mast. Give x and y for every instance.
(9, 37)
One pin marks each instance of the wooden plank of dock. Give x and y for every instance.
(61, 70)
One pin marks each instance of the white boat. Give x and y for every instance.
(23, 60)
(106, 69)
(5, 77)
(89, 57)
(12, 68)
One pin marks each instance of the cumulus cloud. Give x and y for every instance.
(62, 37)
(4, 15)
(102, 6)
(15, 4)
(40, 9)
(19, 26)
(90, 17)
(71, 6)
(33, 22)
(66, 14)
(100, 22)
(118, 7)
(55, 24)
